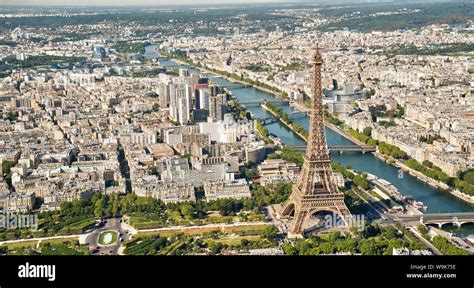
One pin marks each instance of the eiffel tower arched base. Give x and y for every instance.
(309, 205)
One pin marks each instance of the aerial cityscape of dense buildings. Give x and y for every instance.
(121, 123)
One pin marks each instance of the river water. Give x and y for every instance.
(436, 200)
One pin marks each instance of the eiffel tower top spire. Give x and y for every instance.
(317, 58)
(317, 147)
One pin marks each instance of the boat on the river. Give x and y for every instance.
(387, 185)
(276, 140)
(415, 203)
(470, 238)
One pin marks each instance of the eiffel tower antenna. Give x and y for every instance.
(316, 189)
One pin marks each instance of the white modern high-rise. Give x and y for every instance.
(203, 102)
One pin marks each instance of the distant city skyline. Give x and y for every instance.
(189, 2)
(180, 2)
(133, 2)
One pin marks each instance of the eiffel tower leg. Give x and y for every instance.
(297, 226)
(346, 215)
(287, 207)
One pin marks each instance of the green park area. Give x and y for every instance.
(57, 246)
(203, 241)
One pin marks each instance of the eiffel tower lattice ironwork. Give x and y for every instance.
(316, 189)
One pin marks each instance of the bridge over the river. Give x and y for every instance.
(272, 119)
(236, 86)
(259, 102)
(341, 149)
(439, 219)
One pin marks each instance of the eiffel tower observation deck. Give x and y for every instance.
(316, 189)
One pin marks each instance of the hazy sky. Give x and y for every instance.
(129, 2)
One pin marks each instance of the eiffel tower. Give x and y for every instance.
(316, 189)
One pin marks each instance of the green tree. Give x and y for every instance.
(251, 174)
(361, 182)
(469, 177)
(215, 248)
(372, 247)
(99, 210)
(289, 249)
(270, 232)
(367, 131)
(422, 229)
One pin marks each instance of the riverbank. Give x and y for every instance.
(327, 124)
(430, 181)
(289, 126)
(344, 134)
(300, 106)
(422, 177)
(223, 76)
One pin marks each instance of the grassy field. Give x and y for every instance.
(246, 230)
(155, 243)
(34, 243)
(16, 245)
(141, 222)
(58, 241)
(234, 241)
(108, 238)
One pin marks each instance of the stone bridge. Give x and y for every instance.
(340, 149)
(439, 219)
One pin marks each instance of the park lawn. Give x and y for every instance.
(58, 241)
(247, 229)
(143, 223)
(139, 222)
(241, 230)
(188, 231)
(61, 249)
(81, 226)
(113, 239)
(16, 245)
(234, 241)
(218, 219)
(72, 225)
